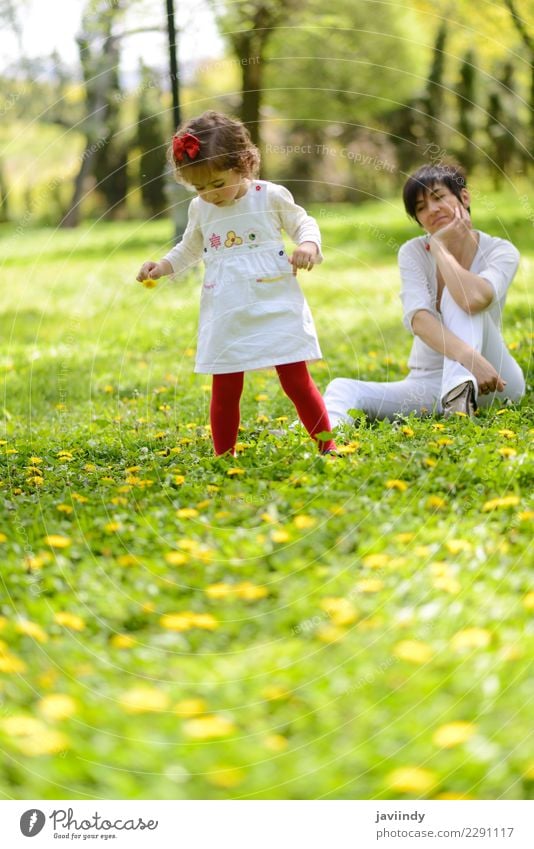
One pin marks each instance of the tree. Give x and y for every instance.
(151, 139)
(249, 25)
(332, 84)
(502, 125)
(434, 99)
(528, 40)
(99, 57)
(466, 97)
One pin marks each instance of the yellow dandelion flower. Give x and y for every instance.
(261, 397)
(21, 725)
(3, 538)
(349, 448)
(528, 601)
(447, 583)
(369, 585)
(436, 502)
(31, 629)
(57, 706)
(471, 638)
(187, 620)
(220, 590)
(407, 431)
(187, 513)
(526, 515)
(10, 663)
(127, 560)
(211, 487)
(112, 527)
(209, 727)
(46, 742)
(505, 501)
(451, 796)
(57, 541)
(35, 460)
(399, 485)
(407, 536)
(144, 700)
(456, 546)
(81, 499)
(226, 777)
(507, 452)
(69, 620)
(176, 558)
(376, 561)
(235, 471)
(508, 434)
(330, 634)
(275, 693)
(122, 641)
(444, 441)
(178, 480)
(188, 545)
(413, 651)
(203, 504)
(453, 734)
(280, 536)
(412, 779)
(248, 591)
(340, 610)
(304, 522)
(187, 708)
(276, 742)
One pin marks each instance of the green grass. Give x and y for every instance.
(354, 619)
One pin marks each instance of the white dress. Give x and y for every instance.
(252, 311)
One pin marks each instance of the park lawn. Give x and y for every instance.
(280, 625)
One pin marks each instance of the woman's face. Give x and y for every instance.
(434, 208)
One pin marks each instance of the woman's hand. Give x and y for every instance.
(151, 271)
(459, 228)
(488, 379)
(305, 256)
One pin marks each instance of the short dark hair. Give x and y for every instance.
(429, 176)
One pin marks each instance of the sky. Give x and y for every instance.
(49, 25)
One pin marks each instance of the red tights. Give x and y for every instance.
(298, 385)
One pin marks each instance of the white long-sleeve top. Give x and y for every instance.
(496, 260)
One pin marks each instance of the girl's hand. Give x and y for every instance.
(149, 273)
(305, 256)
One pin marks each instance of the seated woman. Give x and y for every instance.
(454, 285)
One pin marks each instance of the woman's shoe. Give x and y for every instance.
(460, 400)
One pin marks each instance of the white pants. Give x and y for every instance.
(422, 391)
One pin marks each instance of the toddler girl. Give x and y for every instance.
(253, 314)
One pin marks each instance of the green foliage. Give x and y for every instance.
(279, 625)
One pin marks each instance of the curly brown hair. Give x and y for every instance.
(224, 145)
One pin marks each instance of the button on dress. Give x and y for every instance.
(253, 313)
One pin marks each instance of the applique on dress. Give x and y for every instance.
(232, 239)
(215, 241)
(251, 238)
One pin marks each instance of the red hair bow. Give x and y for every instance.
(186, 143)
